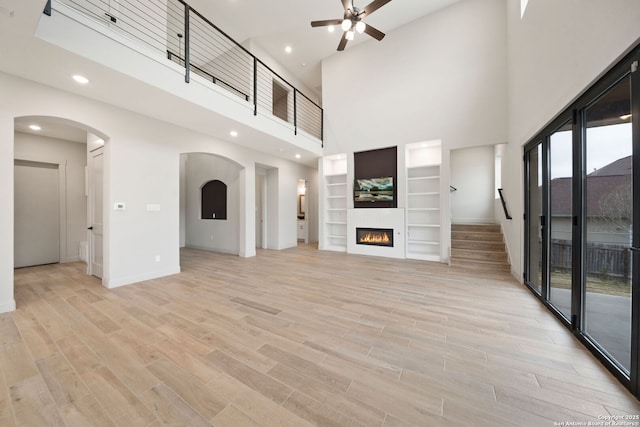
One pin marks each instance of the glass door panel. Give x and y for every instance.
(560, 218)
(608, 223)
(534, 214)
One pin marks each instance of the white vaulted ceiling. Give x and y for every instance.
(279, 23)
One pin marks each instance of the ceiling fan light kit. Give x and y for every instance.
(352, 21)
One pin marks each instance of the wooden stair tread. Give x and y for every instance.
(478, 247)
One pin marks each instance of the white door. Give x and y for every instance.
(36, 210)
(95, 209)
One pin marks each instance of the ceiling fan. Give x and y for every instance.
(352, 21)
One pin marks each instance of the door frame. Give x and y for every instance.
(90, 214)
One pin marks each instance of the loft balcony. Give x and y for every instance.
(170, 47)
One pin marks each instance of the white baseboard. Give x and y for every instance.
(8, 306)
(123, 281)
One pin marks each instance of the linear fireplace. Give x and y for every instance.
(374, 236)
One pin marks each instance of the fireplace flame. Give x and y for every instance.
(378, 238)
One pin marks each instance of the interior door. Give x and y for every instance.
(95, 209)
(36, 210)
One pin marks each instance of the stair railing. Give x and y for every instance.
(184, 36)
(504, 204)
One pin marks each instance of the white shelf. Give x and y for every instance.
(335, 208)
(423, 242)
(419, 178)
(423, 203)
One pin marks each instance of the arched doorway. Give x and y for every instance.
(218, 233)
(52, 160)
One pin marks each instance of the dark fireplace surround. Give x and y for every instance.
(378, 163)
(374, 236)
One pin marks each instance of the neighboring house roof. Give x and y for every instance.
(621, 166)
(561, 197)
(599, 184)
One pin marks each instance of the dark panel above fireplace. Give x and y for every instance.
(377, 164)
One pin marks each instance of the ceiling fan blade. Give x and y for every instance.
(373, 6)
(326, 22)
(343, 42)
(347, 4)
(374, 32)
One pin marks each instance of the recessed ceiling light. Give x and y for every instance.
(35, 127)
(80, 79)
(288, 49)
(233, 133)
(331, 28)
(298, 156)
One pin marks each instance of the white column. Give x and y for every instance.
(7, 301)
(248, 211)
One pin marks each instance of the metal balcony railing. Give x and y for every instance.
(182, 35)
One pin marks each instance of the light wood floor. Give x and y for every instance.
(295, 338)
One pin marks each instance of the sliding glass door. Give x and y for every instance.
(608, 222)
(535, 228)
(580, 209)
(561, 218)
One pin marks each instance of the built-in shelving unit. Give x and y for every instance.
(423, 211)
(335, 203)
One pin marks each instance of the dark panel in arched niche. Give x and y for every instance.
(214, 200)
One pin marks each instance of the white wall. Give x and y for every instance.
(216, 235)
(142, 167)
(72, 159)
(472, 173)
(554, 52)
(442, 76)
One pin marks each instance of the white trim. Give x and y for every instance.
(110, 284)
(8, 306)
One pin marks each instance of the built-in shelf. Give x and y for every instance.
(334, 231)
(423, 215)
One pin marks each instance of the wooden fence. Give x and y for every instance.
(603, 259)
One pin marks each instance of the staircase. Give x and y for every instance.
(478, 247)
